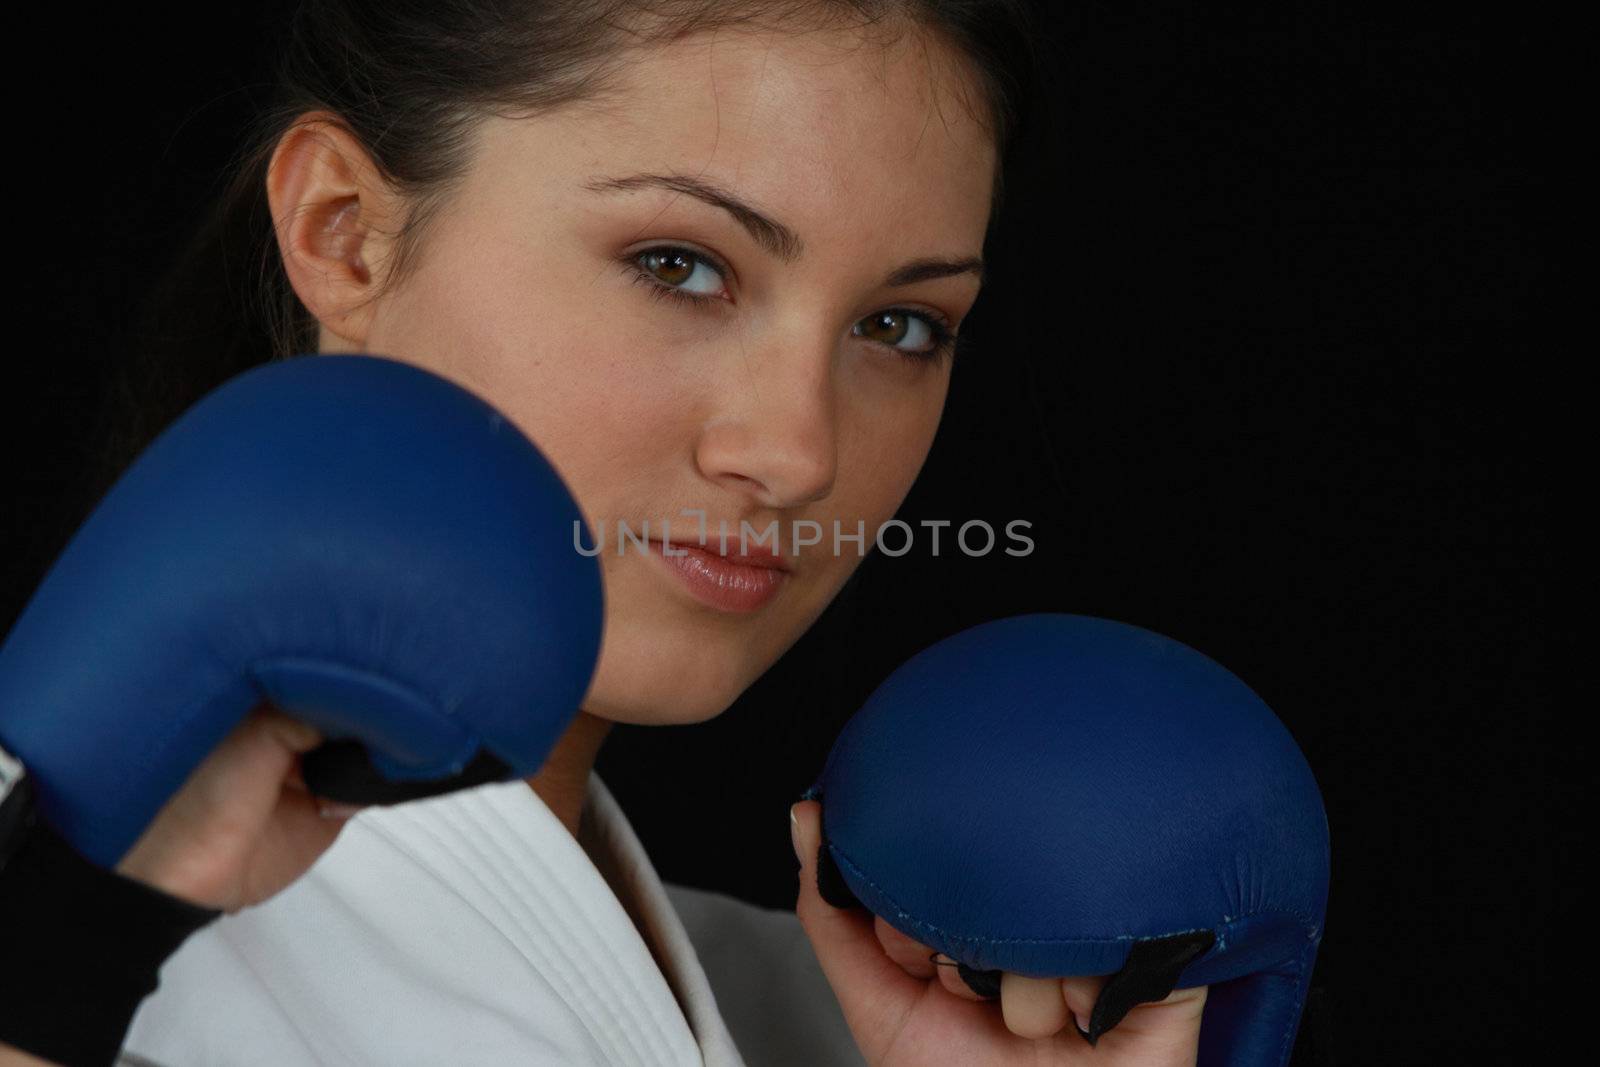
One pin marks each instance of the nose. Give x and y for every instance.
(773, 435)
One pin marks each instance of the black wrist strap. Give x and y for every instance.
(80, 946)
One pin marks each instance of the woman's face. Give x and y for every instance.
(686, 294)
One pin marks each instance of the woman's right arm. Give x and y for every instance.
(363, 540)
(242, 828)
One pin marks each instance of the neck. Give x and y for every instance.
(564, 779)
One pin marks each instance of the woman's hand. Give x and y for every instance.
(908, 1010)
(244, 825)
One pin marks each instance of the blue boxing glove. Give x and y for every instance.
(368, 547)
(1182, 842)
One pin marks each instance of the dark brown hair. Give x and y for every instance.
(410, 79)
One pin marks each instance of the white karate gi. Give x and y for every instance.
(472, 928)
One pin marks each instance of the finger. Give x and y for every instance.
(959, 980)
(296, 738)
(1080, 995)
(874, 993)
(205, 831)
(299, 827)
(912, 955)
(334, 811)
(291, 841)
(291, 734)
(294, 735)
(236, 788)
(1033, 1007)
(252, 760)
(1169, 1026)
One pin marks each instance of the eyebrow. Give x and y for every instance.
(772, 235)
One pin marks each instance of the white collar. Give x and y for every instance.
(608, 838)
(462, 928)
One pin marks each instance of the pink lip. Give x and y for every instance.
(737, 582)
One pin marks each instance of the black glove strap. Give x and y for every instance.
(80, 946)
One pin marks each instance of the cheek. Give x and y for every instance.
(552, 354)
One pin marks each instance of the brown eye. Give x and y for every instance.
(674, 268)
(889, 327)
(679, 268)
(911, 333)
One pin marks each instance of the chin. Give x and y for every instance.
(666, 683)
(688, 688)
(662, 707)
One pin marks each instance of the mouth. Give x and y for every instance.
(738, 582)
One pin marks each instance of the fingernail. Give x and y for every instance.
(794, 834)
(1083, 1024)
(330, 810)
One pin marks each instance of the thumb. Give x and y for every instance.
(875, 993)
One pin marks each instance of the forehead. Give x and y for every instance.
(829, 127)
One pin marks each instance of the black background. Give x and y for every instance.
(1255, 362)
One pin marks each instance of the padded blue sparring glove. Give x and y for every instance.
(369, 547)
(1059, 795)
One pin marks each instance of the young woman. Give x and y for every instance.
(712, 258)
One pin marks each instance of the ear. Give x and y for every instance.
(335, 220)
